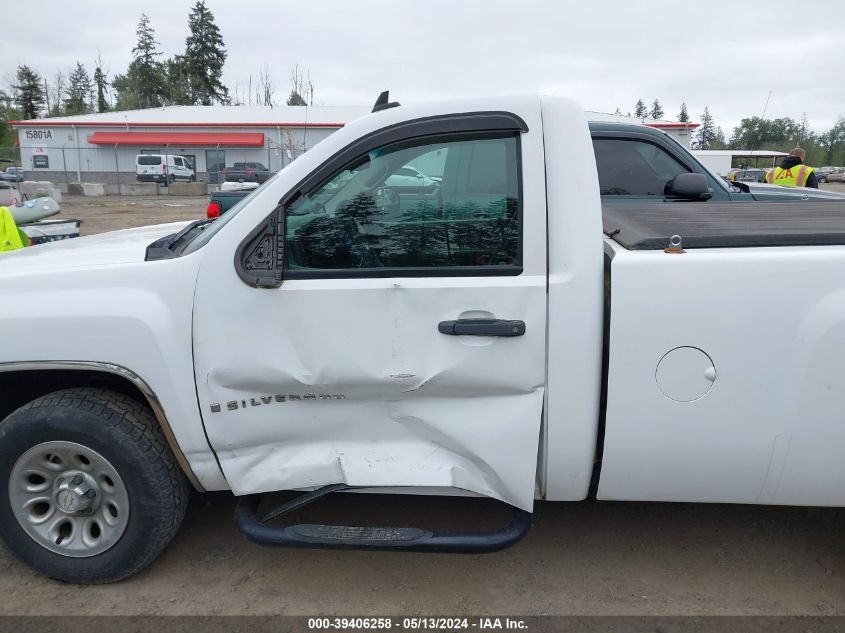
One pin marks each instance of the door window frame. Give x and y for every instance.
(453, 127)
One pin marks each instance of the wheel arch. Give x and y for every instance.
(22, 382)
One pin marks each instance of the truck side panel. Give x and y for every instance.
(725, 377)
(574, 303)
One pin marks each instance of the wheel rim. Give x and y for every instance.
(69, 499)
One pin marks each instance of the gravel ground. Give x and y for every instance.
(592, 558)
(110, 213)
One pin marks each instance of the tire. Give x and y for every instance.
(96, 423)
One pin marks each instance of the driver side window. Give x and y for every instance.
(448, 206)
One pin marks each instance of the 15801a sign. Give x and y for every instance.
(38, 134)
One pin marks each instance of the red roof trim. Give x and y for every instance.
(673, 125)
(178, 139)
(49, 123)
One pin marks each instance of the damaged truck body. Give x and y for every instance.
(444, 300)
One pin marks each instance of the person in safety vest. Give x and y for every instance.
(11, 237)
(793, 172)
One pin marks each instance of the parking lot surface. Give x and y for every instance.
(591, 558)
(579, 558)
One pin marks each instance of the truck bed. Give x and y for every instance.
(649, 226)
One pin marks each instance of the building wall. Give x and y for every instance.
(70, 156)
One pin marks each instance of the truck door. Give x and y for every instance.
(405, 346)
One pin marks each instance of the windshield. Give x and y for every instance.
(202, 238)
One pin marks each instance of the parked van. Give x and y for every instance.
(163, 168)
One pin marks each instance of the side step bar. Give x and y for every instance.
(411, 539)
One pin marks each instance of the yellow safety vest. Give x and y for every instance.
(791, 177)
(10, 236)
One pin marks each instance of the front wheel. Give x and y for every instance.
(89, 490)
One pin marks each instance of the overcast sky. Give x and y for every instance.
(725, 55)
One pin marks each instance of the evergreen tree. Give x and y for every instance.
(618, 111)
(295, 99)
(640, 111)
(8, 112)
(78, 91)
(204, 57)
(683, 115)
(102, 85)
(142, 86)
(656, 110)
(29, 92)
(178, 87)
(706, 134)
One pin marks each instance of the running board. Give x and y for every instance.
(411, 539)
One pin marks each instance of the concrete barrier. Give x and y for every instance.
(93, 189)
(139, 189)
(34, 189)
(75, 189)
(186, 189)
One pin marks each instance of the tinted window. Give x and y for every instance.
(633, 168)
(468, 218)
(149, 160)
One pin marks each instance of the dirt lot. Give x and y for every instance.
(585, 558)
(110, 213)
(588, 558)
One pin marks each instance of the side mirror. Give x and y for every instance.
(689, 187)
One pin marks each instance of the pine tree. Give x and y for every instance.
(656, 110)
(78, 91)
(683, 115)
(29, 95)
(295, 99)
(142, 86)
(204, 58)
(178, 86)
(640, 111)
(618, 111)
(706, 134)
(102, 85)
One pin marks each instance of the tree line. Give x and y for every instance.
(191, 77)
(758, 133)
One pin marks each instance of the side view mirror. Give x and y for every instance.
(689, 187)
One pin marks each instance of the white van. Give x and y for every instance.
(163, 168)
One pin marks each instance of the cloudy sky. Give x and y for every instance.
(725, 55)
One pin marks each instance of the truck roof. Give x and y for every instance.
(649, 226)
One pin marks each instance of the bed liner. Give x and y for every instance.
(649, 226)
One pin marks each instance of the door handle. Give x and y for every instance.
(482, 327)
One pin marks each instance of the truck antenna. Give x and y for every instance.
(383, 102)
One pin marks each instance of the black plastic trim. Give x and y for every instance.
(466, 122)
(386, 273)
(402, 539)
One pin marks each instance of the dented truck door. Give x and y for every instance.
(405, 346)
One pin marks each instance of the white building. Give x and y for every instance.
(98, 147)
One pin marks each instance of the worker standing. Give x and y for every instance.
(792, 172)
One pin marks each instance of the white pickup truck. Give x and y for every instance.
(482, 334)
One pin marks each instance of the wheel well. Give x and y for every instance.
(19, 387)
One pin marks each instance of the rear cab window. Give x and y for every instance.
(146, 159)
(628, 167)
